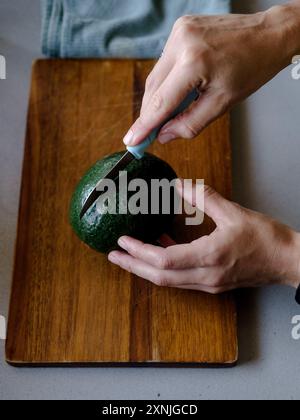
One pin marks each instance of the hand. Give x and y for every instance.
(226, 57)
(247, 249)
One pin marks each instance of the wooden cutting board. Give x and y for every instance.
(68, 304)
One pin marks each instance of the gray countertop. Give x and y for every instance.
(265, 134)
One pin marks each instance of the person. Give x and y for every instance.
(228, 58)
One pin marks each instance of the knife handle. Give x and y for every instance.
(139, 150)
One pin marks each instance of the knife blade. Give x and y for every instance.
(113, 174)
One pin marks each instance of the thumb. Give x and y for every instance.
(214, 205)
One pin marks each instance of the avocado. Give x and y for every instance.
(101, 231)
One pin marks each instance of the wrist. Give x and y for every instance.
(291, 261)
(284, 23)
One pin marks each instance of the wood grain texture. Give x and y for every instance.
(68, 304)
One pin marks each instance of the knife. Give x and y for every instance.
(136, 152)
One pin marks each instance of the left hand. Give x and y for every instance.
(247, 249)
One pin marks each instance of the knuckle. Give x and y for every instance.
(149, 82)
(142, 122)
(216, 291)
(236, 222)
(218, 258)
(239, 212)
(223, 101)
(129, 267)
(188, 58)
(164, 261)
(182, 21)
(215, 258)
(206, 261)
(157, 101)
(226, 103)
(161, 280)
(209, 191)
(190, 131)
(164, 282)
(184, 25)
(196, 56)
(217, 281)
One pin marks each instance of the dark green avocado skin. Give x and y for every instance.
(102, 231)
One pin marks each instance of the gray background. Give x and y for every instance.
(265, 137)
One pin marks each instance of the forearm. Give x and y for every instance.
(285, 20)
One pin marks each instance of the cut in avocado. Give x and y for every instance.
(102, 231)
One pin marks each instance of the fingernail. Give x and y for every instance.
(128, 139)
(165, 137)
(112, 258)
(122, 243)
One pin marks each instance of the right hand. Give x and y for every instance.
(227, 57)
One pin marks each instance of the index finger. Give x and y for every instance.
(161, 104)
(157, 76)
